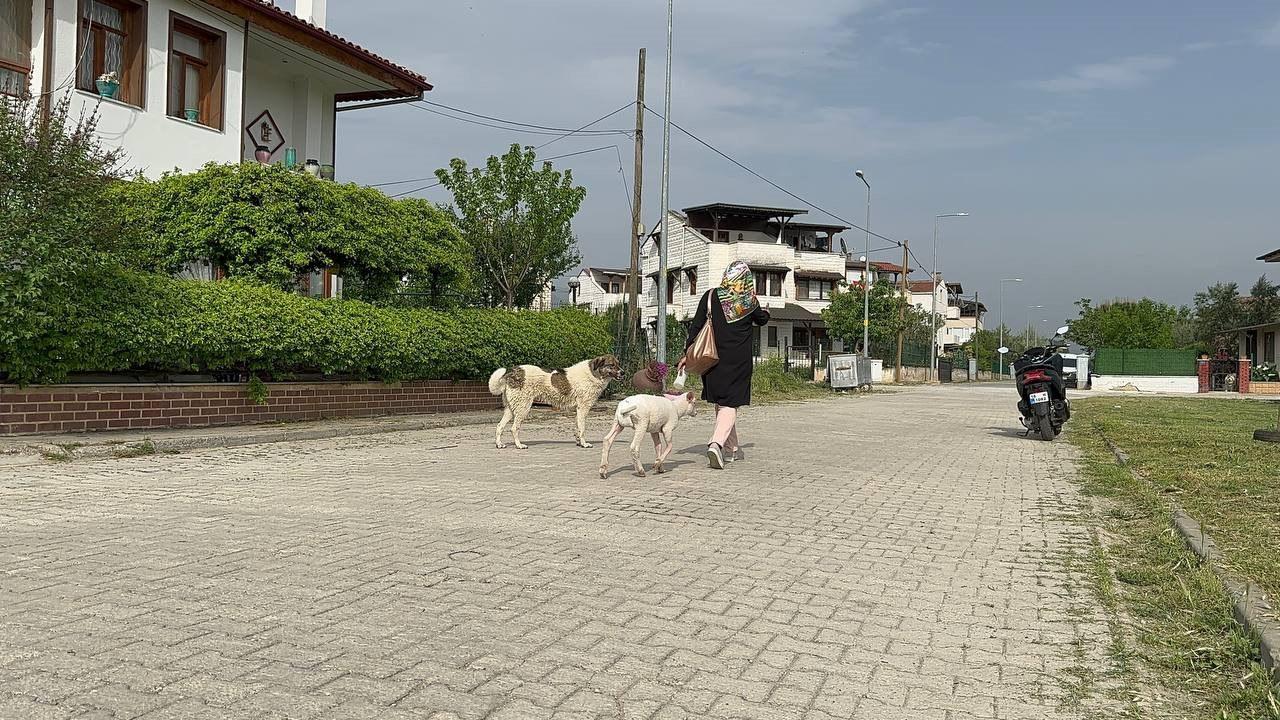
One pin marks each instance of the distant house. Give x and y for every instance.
(598, 289)
(797, 268)
(198, 80)
(956, 314)
(1261, 343)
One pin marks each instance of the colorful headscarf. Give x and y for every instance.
(737, 292)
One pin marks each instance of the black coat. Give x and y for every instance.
(729, 382)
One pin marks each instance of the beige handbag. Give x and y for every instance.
(702, 354)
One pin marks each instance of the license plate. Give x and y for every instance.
(1040, 397)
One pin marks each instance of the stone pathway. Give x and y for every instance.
(901, 555)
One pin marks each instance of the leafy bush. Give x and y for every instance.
(155, 323)
(270, 224)
(58, 230)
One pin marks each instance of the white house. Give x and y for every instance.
(956, 314)
(796, 267)
(598, 289)
(199, 80)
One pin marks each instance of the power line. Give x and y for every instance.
(622, 173)
(553, 157)
(776, 186)
(410, 192)
(511, 122)
(584, 127)
(419, 106)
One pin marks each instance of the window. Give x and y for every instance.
(615, 288)
(195, 71)
(799, 337)
(773, 336)
(768, 283)
(1269, 347)
(812, 289)
(673, 281)
(692, 275)
(15, 46)
(722, 235)
(113, 39)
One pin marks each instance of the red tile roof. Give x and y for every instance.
(408, 78)
(920, 286)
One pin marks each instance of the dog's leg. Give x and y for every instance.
(604, 452)
(582, 426)
(635, 452)
(658, 455)
(502, 424)
(521, 411)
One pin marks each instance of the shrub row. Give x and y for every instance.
(143, 322)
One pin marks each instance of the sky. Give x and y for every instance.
(1103, 150)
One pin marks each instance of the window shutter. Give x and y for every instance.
(802, 289)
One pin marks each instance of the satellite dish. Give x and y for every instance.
(1003, 350)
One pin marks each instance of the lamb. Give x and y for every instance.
(656, 415)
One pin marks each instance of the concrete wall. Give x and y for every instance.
(154, 142)
(1145, 383)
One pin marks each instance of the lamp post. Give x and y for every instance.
(661, 340)
(933, 313)
(1030, 339)
(866, 271)
(1002, 282)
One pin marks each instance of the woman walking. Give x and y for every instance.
(728, 383)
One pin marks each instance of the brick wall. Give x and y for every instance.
(75, 408)
(1264, 388)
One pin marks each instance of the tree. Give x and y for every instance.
(517, 221)
(1264, 303)
(1145, 323)
(273, 225)
(844, 317)
(1218, 313)
(59, 230)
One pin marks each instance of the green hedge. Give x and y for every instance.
(1144, 361)
(137, 322)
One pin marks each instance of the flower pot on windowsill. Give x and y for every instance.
(108, 89)
(191, 114)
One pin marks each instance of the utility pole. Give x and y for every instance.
(977, 318)
(637, 181)
(666, 196)
(902, 311)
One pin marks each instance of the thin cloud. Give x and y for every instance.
(1271, 36)
(1127, 72)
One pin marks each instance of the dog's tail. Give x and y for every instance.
(496, 384)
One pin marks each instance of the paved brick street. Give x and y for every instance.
(894, 556)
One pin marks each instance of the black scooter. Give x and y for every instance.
(1042, 393)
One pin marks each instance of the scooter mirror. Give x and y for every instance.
(1063, 330)
(1003, 350)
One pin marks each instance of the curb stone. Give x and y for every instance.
(1249, 603)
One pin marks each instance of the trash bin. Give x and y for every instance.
(944, 370)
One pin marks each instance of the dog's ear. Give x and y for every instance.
(689, 395)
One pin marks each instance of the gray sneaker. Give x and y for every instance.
(714, 457)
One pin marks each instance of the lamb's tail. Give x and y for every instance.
(496, 385)
(622, 415)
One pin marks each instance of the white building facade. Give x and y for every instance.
(198, 80)
(598, 289)
(796, 269)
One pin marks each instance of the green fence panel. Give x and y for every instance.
(1144, 361)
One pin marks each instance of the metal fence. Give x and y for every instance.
(1144, 361)
(913, 354)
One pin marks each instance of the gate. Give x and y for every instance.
(1222, 375)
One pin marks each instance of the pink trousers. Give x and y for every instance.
(726, 432)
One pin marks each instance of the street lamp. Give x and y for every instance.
(933, 320)
(1029, 308)
(661, 329)
(1002, 282)
(866, 271)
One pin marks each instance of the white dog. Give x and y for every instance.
(578, 386)
(656, 415)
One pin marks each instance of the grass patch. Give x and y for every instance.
(142, 449)
(1188, 658)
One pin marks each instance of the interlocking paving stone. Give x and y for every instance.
(890, 556)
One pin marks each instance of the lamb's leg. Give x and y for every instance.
(502, 424)
(658, 455)
(667, 443)
(635, 453)
(582, 426)
(608, 443)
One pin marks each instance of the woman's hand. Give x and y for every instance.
(680, 365)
